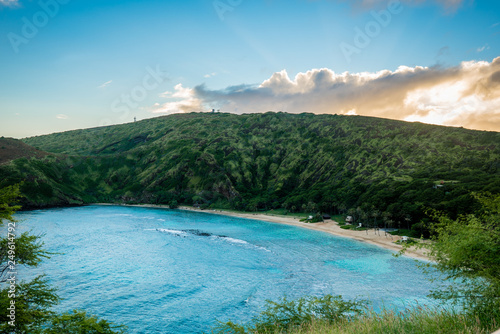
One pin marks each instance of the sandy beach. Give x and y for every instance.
(332, 227)
(379, 239)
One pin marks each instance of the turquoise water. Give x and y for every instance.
(173, 271)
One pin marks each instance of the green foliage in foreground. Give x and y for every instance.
(467, 250)
(287, 314)
(25, 307)
(33, 302)
(79, 322)
(354, 318)
(410, 321)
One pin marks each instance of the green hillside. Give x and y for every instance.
(330, 163)
(11, 149)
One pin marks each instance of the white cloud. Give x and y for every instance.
(495, 24)
(62, 116)
(166, 94)
(186, 102)
(466, 95)
(9, 3)
(106, 84)
(210, 75)
(180, 92)
(481, 49)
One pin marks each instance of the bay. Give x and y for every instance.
(175, 271)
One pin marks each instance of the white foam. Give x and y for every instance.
(238, 242)
(263, 248)
(216, 237)
(176, 232)
(115, 215)
(234, 241)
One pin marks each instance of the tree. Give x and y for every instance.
(466, 250)
(31, 309)
(386, 216)
(24, 305)
(359, 213)
(77, 322)
(363, 216)
(8, 195)
(173, 204)
(407, 220)
(286, 315)
(375, 215)
(342, 208)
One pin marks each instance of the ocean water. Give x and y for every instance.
(174, 271)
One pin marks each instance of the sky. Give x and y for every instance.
(69, 64)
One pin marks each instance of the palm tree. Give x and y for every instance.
(387, 219)
(375, 215)
(408, 220)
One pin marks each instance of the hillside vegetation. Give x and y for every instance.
(381, 170)
(11, 149)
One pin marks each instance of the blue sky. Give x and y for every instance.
(93, 63)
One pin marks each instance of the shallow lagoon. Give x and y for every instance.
(174, 271)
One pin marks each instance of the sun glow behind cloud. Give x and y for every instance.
(466, 95)
(184, 101)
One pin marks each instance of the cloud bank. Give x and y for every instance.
(185, 101)
(467, 95)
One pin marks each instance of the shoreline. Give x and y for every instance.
(330, 227)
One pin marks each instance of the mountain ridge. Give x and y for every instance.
(11, 149)
(303, 162)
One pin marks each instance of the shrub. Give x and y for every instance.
(173, 204)
(285, 314)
